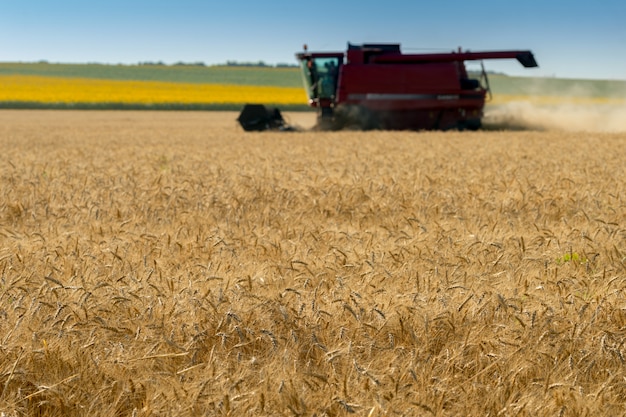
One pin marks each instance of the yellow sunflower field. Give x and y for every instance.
(44, 89)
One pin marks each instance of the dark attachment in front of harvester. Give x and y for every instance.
(257, 118)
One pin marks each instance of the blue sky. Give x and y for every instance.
(570, 39)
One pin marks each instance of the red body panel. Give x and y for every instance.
(427, 96)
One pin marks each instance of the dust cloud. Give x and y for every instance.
(558, 104)
(524, 115)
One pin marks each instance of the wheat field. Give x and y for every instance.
(167, 263)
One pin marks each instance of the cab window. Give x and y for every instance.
(320, 77)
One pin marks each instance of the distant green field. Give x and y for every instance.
(259, 76)
(557, 87)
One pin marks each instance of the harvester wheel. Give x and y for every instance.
(352, 117)
(325, 119)
(470, 124)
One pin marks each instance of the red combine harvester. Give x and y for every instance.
(376, 86)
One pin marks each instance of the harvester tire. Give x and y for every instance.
(470, 124)
(354, 117)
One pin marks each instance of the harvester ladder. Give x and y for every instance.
(486, 80)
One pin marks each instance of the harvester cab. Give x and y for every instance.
(320, 74)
